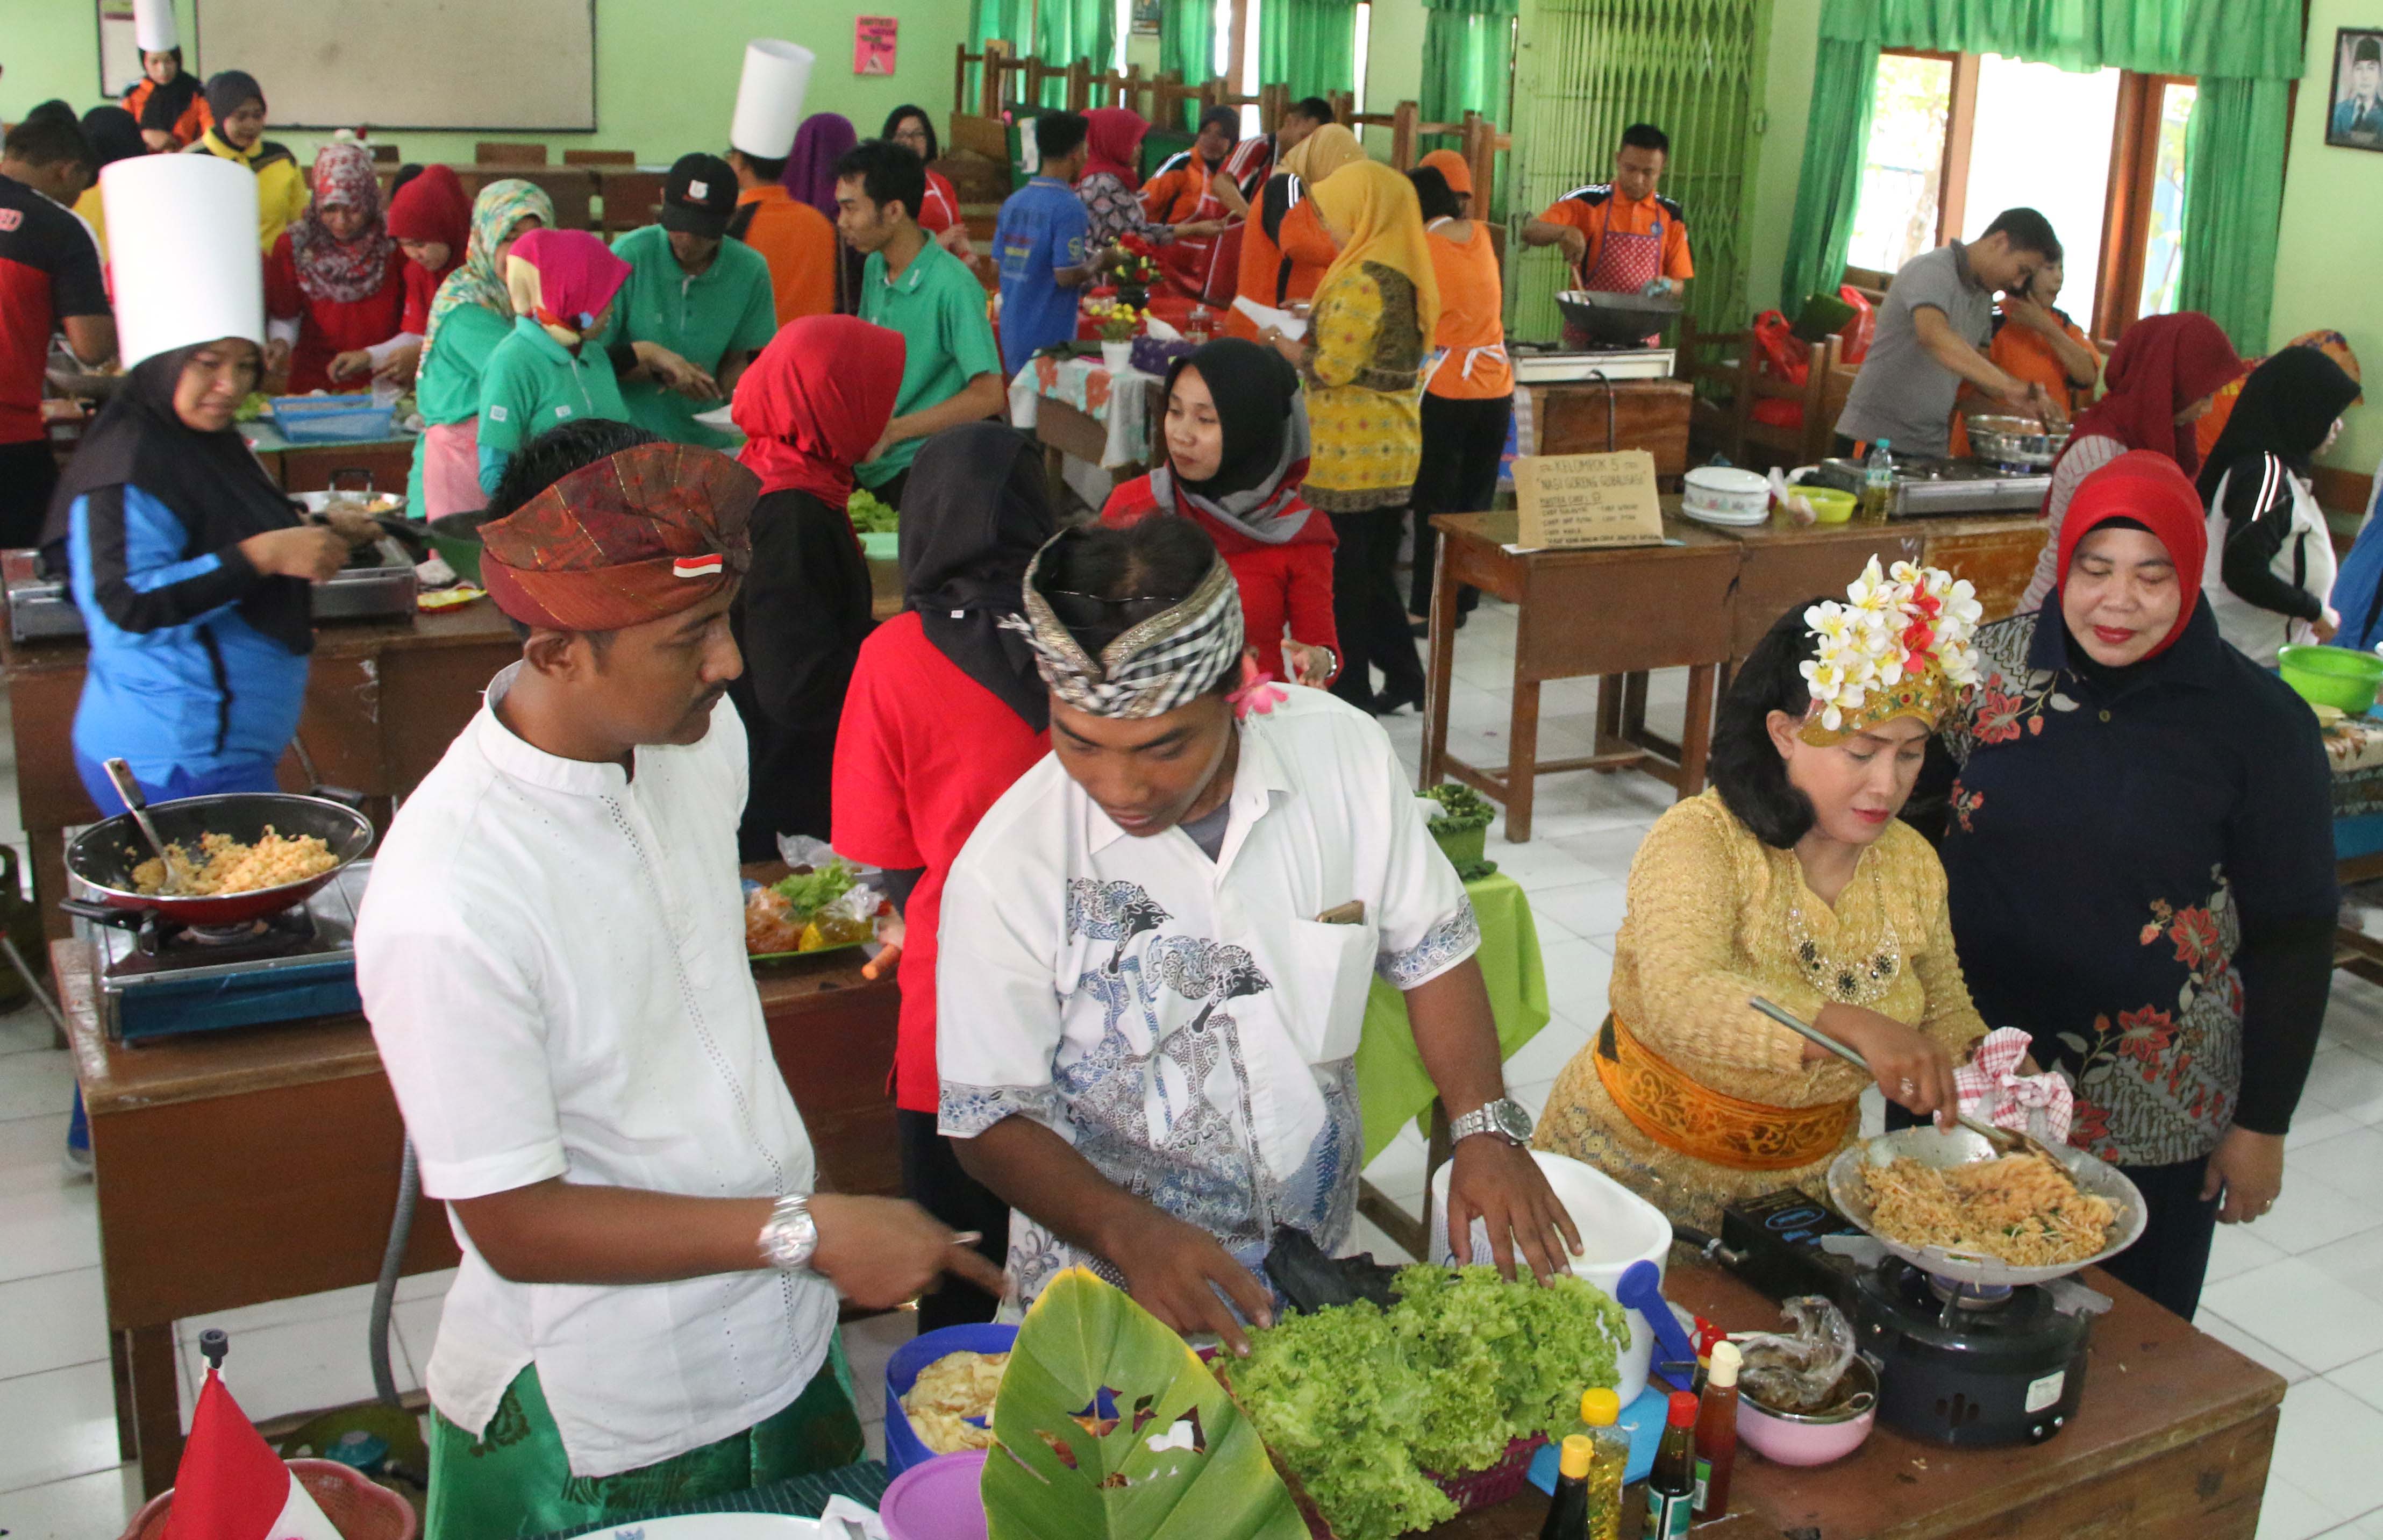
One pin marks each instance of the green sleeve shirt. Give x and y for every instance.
(938, 306)
(728, 308)
(449, 391)
(532, 383)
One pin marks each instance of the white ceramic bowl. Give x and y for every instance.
(1617, 1228)
(1726, 492)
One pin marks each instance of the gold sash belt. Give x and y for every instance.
(1681, 1113)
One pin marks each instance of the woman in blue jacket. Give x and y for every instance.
(191, 569)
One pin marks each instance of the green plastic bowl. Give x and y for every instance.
(1832, 506)
(456, 536)
(2332, 676)
(881, 545)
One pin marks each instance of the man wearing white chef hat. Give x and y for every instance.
(796, 238)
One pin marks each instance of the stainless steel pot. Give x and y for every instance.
(2015, 440)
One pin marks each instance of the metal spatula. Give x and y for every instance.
(119, 774)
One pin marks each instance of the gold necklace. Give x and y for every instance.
(1861, 982)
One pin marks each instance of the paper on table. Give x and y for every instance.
(1283, 321)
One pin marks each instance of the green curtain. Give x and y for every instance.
(1072, 30)
(1467, 59)
(2213, 39)
(1187, 45)
(1309, 46)
(1844, 78)
(996, 20)
(2233, 198)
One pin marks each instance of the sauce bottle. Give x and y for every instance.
(1672, 1488)
(1717, 1433)
(1599, 1411)
(1568, 1515)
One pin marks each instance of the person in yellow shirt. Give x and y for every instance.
(238, 103)
(1623, 237)
(115, 134)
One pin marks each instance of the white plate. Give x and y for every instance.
(719, 417)
(717, 1527)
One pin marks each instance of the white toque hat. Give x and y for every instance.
(770, 98)
(183, 253)
(154, 27)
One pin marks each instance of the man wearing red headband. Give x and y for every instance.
(552, 953)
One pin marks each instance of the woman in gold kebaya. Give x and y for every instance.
(1791, 878)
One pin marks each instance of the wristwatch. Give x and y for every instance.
(791, 1236)
(1504, 1118)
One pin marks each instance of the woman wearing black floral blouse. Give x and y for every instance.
(2140, 863)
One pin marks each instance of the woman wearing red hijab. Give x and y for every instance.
(2160, 380)
(430, 219)
(810, 407)
(1112, 181)
(2140, 860)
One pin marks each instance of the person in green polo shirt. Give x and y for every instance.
(701, 297)
(551, 368)
(951, 371)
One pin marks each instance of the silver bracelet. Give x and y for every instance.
(790, 1238)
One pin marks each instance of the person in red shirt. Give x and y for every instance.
(50, 279)
(946, 710)
(1623, 237)
(334, 284)
(431, 219)
(939, 211)
(1236, 453)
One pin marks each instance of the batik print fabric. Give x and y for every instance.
(1189, 1025)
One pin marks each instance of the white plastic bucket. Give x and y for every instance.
(1617, 1228)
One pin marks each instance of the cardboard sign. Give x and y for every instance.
(1570, 500)
(872, 44)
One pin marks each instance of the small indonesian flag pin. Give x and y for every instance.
(699, 566)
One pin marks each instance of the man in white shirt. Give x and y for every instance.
(551, 952)
(1156, 951)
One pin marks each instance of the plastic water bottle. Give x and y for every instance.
(1878, 483)
(1196, 329)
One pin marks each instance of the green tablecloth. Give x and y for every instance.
(803, 1497)
(1391, 1085)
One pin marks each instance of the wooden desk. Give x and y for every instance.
(314, 467)
(1589, 417)
(2172, 1439)
(1785, 566)
(240, 1168)
(1611, 614)
(383, 701)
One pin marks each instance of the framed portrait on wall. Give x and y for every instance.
(1145, 18)
(2354, 121)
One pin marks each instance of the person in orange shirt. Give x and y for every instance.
(1180, 192)
(168, 101)
(1285, 248)
(795, 239)
(2037, 344)
(1468, 406)
(1623, 237)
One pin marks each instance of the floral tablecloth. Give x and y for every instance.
(1119, 402)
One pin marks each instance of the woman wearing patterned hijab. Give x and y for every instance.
(471, 315)
(334, 284)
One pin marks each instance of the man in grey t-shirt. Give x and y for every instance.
(1932, 334)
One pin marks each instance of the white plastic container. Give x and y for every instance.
(1617, 1228)
(1723, 494)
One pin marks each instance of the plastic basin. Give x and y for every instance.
(2332, 676)
(456, 536)
(902, 1447)
(1617, 1228)
(943, 1499)
(1831, 506)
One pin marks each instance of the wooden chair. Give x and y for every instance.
(632, 198)
(491, 152)
(382, 155)
(599, 157)
(1726, 367)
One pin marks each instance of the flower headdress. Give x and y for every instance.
(1900, 646)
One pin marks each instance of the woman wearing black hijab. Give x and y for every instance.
(190, 570)
(2269, 576)
(945, 710)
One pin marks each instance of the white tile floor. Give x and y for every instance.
(2301, 1291)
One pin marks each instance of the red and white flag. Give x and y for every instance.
(233, 1486)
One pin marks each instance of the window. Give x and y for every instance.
(1365, 47)
(2164, 237)
(1903, 174)
(2041, 138)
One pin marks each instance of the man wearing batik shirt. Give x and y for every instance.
(551, 952)
(1156, 951)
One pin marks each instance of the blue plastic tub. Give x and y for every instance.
(333, 419)
(902, 1447)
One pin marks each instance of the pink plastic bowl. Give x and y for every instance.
(1812, 1438)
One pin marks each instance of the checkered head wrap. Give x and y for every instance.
(1155, 665)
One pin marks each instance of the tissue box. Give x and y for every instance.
(1153, 357)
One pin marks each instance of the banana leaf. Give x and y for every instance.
(1086, 1348)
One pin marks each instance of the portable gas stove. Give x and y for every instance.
(167, 979)
(377, 583)
(1552, 363)
(1973, 1365)
(1929, 487)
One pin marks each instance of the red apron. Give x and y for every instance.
(1625, 263)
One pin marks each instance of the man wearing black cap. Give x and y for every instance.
(2358, 117)
(698, 296)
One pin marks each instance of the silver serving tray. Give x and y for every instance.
(1851, 1196)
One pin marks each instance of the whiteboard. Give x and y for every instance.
(503, 65)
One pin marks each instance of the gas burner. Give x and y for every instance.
(1960, 1294)
(1963, 1364)
(160, 943)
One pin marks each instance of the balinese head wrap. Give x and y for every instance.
(1900, 646)
(1155, 665)
(635, 536)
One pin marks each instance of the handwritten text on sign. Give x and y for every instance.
(1587, 499)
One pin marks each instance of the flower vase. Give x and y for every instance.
(1116, 357)
(1134, 294)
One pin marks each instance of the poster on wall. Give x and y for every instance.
(872, 45)
(119, 55)
(2357, 122)
(1145, 16)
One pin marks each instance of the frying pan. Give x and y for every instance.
(1614, 318)
(1961, 1147)
(103, 856)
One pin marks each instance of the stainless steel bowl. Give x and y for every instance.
(1857, 1394)
(2015, 440)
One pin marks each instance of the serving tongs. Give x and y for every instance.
(2008, 1142)
(119, 775)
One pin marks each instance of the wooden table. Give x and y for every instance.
(1591, 417)
(384, 462)
(384, 699)
(2172, 1440)
(240, 1168)
(1610, 614)
(1785, 566)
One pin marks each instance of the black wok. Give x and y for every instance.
(1615, 319)
(103, 856)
